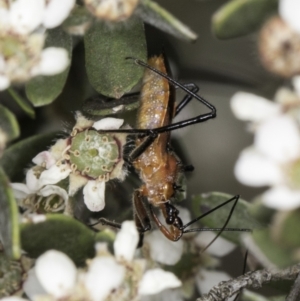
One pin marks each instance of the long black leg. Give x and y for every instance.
(235, 199)
(194, 88)
(177, 125)
(141, 148)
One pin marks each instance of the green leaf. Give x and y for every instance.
(8, 123)
(9, 219)
(240, 17)
(18, 156)
(78, 21)
(155, 15)
(240, 219)
(106, 50)
(42, 90)
(59, 232)
(23, 104)
(267, 252)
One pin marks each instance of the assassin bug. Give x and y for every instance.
(153, 159)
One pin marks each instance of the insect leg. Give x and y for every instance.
(194, 88)
(235, 199)
(142, 147)
(174, 233)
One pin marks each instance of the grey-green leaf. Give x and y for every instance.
(42, 90)
(106, 50)
(267, 252)
(59, 232)
(240, 17)
(155, 15)
(78, 21)
(240, 219)
(9, 219)
(18, 156)
(9, 124)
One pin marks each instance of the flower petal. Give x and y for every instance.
(56, 12)
(26, 15)
(53, 189)
(289, 12)
(32, 287)
(13, 298)
(56, 272)
(108, 123)
(250, 107)
(104, 275)
(278, 138)
(45, 159)
(281, 198)
(126, 241)
(20, 190)
(221, 247)
(54, 174)
(296, 84)
(4, 82)
(162, 249)
(32, 181)
(94, 195)
(157, 280)
(54, 60)
(254, 169)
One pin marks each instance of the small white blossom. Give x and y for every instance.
(275, 155)
(56, 164)
(22, 26)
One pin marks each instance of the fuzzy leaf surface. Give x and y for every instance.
(106, 50)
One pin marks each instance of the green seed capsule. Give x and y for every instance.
(95, 151)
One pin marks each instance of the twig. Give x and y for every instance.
(226, 289)
(294, 294)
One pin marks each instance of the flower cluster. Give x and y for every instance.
(274, 158)
(107, 277)
(86, 157)
(22, 35)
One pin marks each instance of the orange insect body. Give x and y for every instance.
(158, 167)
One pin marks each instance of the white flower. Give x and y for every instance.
(289, 12)
(60, 162)
(275, 156)
(22, 26)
